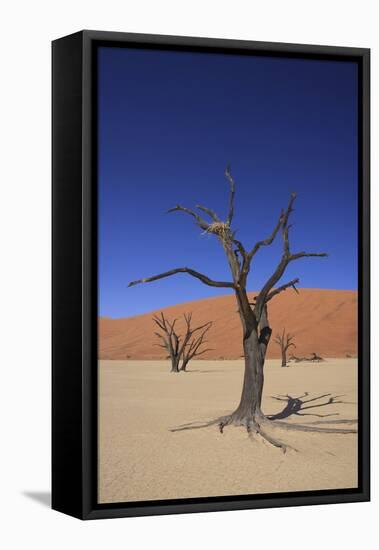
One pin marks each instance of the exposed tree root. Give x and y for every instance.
(276, 442)
(195, 425)
(253, 427)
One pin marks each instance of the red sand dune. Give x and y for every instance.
(323, 321)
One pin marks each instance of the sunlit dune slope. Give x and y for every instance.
(323, 321)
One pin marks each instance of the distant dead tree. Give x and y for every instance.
(285, 342)
(180, 347)
(254, 316)
(314, 358)
(170, 340)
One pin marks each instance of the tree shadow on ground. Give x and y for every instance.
(297, 405)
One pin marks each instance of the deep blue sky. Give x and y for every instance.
(169, 122)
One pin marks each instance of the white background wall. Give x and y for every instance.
(26, 31)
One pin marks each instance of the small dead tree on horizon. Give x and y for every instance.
(314, 358)
(180, 347)
(254, 316)
(285, 342)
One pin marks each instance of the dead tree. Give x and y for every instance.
(316, 358)
(254, 316)
(285, 342)
(170, 340)
(181, 348)
(193, 347)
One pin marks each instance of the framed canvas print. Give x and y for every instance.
(210, 275)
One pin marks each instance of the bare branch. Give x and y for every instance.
(200, 222)
(203, 278)
(289, 209)
(307, 255)
(280, 289)
(244, 265)
(207, 326)
(161, 346)
(286, 258)
(211, 213)
(231, 196)
(282, 222)
(191, 347)
(290, 344)
(171, 325)
(188, 319)
(240, 248)
(269, 240)
(189, 334)
(160, 321)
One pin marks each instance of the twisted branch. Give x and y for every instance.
(200, 222)
(269, 240)
(203, 278)
(231, 195)
(281, 288)
(286, 258)
(211, 213)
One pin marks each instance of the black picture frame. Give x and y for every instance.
(74, 271)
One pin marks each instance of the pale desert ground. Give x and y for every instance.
(141, 459)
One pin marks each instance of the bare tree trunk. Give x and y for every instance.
(175, 364)
(255, 341)
(184, 365)
(284, 357)
(249, 407)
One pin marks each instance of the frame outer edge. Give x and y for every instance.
(85, 506)
(67, 383)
